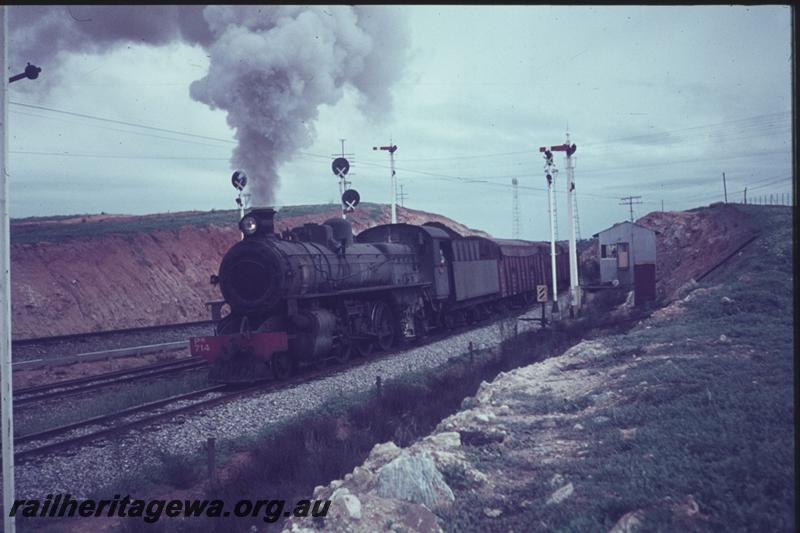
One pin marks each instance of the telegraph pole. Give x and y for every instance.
(392, 148)
(6, 394)
(725, 187)
(403, 196)
(745, 196)
(631, 201)
(5, 291)
(515, 229)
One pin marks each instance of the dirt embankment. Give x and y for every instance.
(95, 272)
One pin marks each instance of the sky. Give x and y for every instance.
(660, 101)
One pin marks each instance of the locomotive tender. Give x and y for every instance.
(317, 292)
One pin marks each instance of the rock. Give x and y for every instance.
(578, 427)
(445, 439)
(381, 454)
(561, 494)
(492, 513)
(470, 402)
(351, 505)
(557, 480)
(724, 339)
(416, 479)
(504, 410)
(629, 523)
(362, 477)
(601, 419)
(482, 417)
(342, 491)
(726, 300)
(628, 434)
(477, 437)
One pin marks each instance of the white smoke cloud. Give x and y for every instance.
(271, 67)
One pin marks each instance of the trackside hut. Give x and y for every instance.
(628, 254)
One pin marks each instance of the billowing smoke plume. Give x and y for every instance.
(271, 67)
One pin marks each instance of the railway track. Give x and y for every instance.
(108, 333)
(89, 383)
(99, 427)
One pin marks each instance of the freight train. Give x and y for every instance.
(317, 292)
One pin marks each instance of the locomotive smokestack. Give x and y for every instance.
(265, 216)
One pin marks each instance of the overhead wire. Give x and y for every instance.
(755, 123)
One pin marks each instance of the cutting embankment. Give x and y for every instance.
(686, 422)
(86, 273)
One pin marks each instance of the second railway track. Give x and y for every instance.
(120, 421)
(89, 383)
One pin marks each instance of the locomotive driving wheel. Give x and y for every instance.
(342, 352)
(364, 347)
(282, 365)
(384, 326)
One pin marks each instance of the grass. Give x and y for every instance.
(714, 422)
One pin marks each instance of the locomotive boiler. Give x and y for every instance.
(307, 294)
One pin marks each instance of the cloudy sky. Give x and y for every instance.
(660, 101)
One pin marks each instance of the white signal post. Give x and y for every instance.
(550, 172)
(575, 291)
(392, 148)
(5, 290)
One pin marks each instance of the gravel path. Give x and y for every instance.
(90, 468)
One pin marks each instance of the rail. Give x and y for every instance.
(101, 355)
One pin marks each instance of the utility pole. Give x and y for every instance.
(392, 148)
(6, 385)
(725, 187)
(631, 201)
(5, 293)
(515, 230)
(745, 196)
(403, 196)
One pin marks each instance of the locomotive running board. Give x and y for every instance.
(377, 288)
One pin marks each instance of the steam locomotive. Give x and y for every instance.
(316, 292)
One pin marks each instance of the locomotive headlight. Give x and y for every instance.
(248, 225)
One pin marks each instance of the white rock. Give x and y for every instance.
(629, 523)
(416, 479)
(445, 439)
(492, 513)
(351, 504)
(561, 494)
(578, 427)
(482, 417)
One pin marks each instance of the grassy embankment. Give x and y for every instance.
(713, 412)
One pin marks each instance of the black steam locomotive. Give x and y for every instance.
(315, 292)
